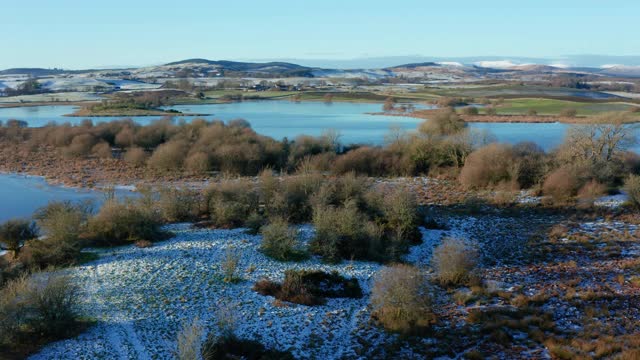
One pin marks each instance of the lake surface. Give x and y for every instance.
(277, 119)
(280, 119)
(21, 195)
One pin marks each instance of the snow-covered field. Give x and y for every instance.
(141, 297)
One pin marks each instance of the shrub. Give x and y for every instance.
(135, 156)
(123, 222)
(280, 241)
(34, 309)
(63, 224)
(344, 233)
(443, 123)
(177, 205)
(231, 202)
(14, 233)
(290, 199)
(230, 265)
(216, 348)
(531, 164)
(254, 223)
(189, 341)
(532, 112)
(80, 146)
(489, 166)
(401, 299)
(470, 110)
(591, 190)
(453, 261)
(310, 288)
(102, 150)
(169, 156)
(197, 162)
(632, 189)
(568, 112)
(400, 210)
(490, 110)
(362, 161)
(561, 184)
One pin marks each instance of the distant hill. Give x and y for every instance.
(415, 65)
(268, 68)
(32, 71)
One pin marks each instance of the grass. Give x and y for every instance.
(554, 107)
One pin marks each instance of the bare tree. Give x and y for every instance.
(604, 139)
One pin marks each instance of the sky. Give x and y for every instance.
(79, 34)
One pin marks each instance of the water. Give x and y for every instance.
(277, 119)
(546, 135)
(280, 119)
(21, 195)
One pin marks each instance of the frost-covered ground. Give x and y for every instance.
(141, 297)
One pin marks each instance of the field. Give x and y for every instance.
(554, 107)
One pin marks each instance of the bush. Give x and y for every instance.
(444, 123)
(217, 348)
(197, 162)
(401, 299)
(80, 146)
(489, 166)
(190, 341)
(470, 110)
(14, 233)
(231, 202)
(531, 164)
(280, 241)
(63, 224)
(177, 205)
(124, 222)
(310, 288)
(36, 309)
(490, 110)
(561, 184)
(568, 112)
(135, 156)
(345, 233)
(254, 223)
(169, 156)
(364, 160)
(290, 198)
(102, 150)
(632, 189)
(230, 265)
(400, 214)
(453, 261)
(592, 190)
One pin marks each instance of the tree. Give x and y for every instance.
(389, 104)
(444, 123)
(14, 233)
(603, 140)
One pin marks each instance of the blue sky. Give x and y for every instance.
(81, 33)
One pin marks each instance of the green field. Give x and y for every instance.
(554, 107)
